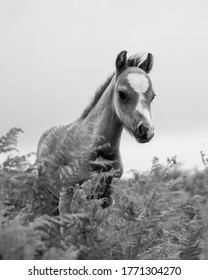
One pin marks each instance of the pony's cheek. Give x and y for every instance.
(126, 116)
(120, 112)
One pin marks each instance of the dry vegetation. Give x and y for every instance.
(161, 214)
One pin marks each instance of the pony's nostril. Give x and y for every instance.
(143, 130)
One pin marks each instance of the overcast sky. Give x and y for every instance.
(54, 54)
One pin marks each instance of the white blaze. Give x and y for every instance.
(145, 113)
(147, 116)
(138, 82)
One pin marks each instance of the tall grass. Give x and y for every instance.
(160, 214)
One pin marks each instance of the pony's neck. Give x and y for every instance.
(105, 122)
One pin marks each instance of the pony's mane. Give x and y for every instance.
(99, 92)
(133, 61)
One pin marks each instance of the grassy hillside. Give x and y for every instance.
(161, 214)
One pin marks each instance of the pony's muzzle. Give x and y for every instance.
(144, 132)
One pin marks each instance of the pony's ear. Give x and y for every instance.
(147, 63)
(121, 61)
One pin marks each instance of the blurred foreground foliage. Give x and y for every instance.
(161, 214)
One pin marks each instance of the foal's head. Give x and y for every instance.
(133, 96)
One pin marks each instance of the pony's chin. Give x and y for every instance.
(138, 138)
(141, 140)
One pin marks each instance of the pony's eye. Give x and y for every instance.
(153, 96)
(122, 95)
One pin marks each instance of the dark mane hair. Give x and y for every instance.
(99, 92)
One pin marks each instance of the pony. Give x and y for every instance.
(76, 150)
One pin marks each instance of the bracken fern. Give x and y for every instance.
(160, 214)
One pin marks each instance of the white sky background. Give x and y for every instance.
(54, 54)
